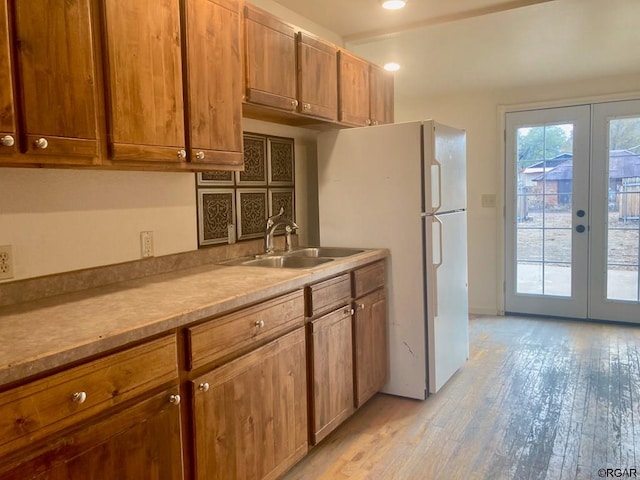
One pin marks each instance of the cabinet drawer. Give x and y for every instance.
(32, 411)
(368, 278)
(231, 335)
(327, 295)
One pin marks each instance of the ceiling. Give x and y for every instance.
(358, 20)
(447, 46)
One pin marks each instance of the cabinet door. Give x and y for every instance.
(214, 73)
(381, 101)
(317, 77)
(141, 442)
(144, 80)
(250, 415)
(354, 89)
(8, 142)
(331, 372)
(371, 345)
(56, 71)
(270, 61)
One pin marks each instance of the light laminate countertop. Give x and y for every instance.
(49, 333)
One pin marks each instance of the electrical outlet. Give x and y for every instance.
(146, 244)
(6, 262)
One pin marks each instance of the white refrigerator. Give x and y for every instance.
(403, 186)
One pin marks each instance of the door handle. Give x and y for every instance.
(580, 228)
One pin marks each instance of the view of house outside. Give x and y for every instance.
(545, 211)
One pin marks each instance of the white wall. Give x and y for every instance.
(477, 113)
(64, 220)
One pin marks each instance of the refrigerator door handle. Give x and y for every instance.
(438, 165)
(435, 266)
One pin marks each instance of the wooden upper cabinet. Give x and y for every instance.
(56, 76)
(354, 90)
(270, 60)
(381, 98)
(8, 143)
(214, 76)
(317, 77)
(144, 80)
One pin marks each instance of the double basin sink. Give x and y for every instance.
(301, 257)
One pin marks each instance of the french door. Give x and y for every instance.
(573, 211)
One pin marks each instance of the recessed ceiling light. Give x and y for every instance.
(392, 67)
(393, 4)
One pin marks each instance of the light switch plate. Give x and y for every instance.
(488, 200)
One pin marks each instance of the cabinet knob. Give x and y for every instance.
(307, 106)
(204, 387)
(259, 323)
(41, 143)
(79, 397)
(368, 122)
(294, 103)
(182, 154)
(375, 122)
(348, 311)
(7, 141)
(200, 156)
(174, 399)
(361, 306)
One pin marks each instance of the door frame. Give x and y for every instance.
(501, 158)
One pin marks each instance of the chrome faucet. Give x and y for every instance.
(273, 222)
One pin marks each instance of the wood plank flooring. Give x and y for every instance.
(538, 399)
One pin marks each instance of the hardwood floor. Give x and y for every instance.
(538, 399)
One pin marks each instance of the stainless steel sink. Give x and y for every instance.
(280, 261)
(301, 257)
(325, 252)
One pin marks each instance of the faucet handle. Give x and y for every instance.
(272, 219)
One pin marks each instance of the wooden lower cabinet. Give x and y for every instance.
(371, 354)
(331, 372)
(250, 415)
(142, 441)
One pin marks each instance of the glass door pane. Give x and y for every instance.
(544, 202)
(623, 232)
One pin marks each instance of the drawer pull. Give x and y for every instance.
(204, 387)
(41, 143)
(259, 323)
(79, 397)
(7, 141)
(174, 399)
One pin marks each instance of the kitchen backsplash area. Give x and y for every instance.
(235, 205)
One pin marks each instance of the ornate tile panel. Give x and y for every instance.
(215, 178)
(267, 183)
(282, 197)
(252, 212)
(255, 161)
(216, 211)
(281, 161)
